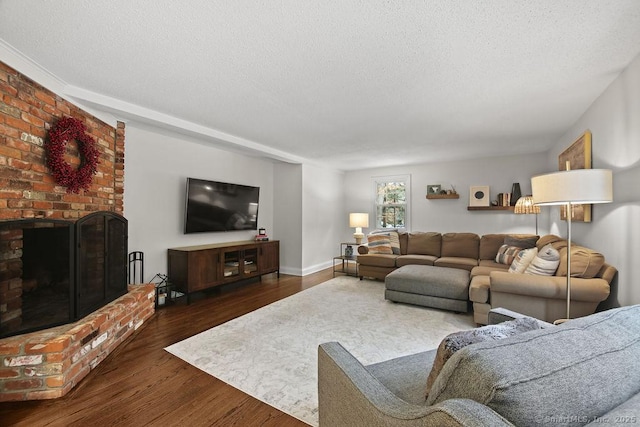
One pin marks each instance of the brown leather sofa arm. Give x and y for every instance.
(363, 249)
(552, 287)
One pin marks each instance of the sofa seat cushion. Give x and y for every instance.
(486, 269)
(378, 260)
(492, 264)
(587, 366)
(457, 262)
(415, 259)
(479, 289)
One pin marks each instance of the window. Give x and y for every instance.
(392, 198)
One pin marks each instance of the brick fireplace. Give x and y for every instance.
(49, 363)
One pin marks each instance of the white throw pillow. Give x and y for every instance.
(545, 263)
(522, 260)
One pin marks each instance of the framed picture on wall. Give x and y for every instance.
(479, 195)
(577, 156)
(434, 189)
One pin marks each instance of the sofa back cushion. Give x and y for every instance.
(463, 245)
(551, 239)
(585, 262)
(491, 243)
(421, 243)
(458, 340)
(586, 367)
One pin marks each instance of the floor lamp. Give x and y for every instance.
(525, 205)
(572, 187)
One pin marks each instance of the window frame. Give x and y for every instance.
(407, 204)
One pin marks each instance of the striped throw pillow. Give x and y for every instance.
(379, 244)
(522, 260)
(506, 254)
(545, 263)
(394, 238)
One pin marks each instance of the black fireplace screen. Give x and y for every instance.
(54, 272)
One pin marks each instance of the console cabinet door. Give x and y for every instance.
(204, 266)
(269, 257)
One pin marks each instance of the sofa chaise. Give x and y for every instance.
(490, 283)
(583, 372)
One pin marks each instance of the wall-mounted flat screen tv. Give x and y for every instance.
(220, 206)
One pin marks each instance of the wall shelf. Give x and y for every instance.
(443, 196)
(490, 208)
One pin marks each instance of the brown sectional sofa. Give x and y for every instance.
(491, 285)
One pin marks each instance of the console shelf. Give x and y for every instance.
(196, 268)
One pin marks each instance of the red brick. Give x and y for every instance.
(35, 121)
(55, 345)
(56, 381)
(14, 385)
(12, 397)
(9, 373)
(18, 124)
(10, 347)
(45, 97)
(6, 150)
(19, 164)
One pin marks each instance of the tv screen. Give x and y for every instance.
(220, 206)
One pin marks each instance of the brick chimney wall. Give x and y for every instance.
(49, 363)
(27, 189)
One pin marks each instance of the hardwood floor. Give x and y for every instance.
(140, 384)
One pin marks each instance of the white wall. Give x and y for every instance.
(287, 218)
(323, 215)
(300, 205)
(614, 120)
(157, 164)
(452, 215)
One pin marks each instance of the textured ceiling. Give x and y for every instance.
(345, 83)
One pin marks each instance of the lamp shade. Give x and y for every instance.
(525, 205)
(359, 220)
(578, 186)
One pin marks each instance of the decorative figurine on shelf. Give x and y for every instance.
(348, 251)
(515, 193)
(262, 235)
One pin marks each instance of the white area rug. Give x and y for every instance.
(271, 353)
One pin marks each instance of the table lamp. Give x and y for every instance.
(357, 221)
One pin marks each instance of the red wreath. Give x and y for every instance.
(68, 129)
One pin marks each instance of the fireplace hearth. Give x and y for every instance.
(54, 272)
